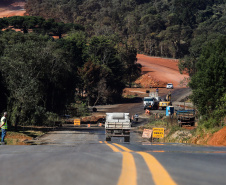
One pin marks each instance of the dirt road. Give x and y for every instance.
(161, 71)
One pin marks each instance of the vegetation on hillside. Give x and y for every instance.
(208, 84)
(41, 76)
(95, 55)
(167, 28)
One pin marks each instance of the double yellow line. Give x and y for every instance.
(129, 172)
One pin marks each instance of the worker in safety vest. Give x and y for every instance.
(3, 127)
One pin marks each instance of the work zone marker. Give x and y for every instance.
(129, 173)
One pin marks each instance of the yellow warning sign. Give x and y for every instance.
(158, 133)
(77, 121)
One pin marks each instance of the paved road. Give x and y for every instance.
(82, 157)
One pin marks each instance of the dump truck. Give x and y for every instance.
(186, 117)
(152, 101)
(117, 124)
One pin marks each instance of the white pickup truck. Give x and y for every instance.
(117, 124)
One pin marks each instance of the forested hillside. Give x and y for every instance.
(95, 55)
(167, 28)
(40, 76)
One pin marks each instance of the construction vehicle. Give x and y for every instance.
(186, 117)
(166, 102)
(152, 101)
(117, 124)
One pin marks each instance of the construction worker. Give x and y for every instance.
(136, 116)
(147, 111)
(3, 127)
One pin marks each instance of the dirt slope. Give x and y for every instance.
(159, 71)
(218, 138)
(14, 9)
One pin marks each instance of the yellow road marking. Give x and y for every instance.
(160, 175)
(129, 173)
(112, 147)
(122, 147)
(158, 151)
(100, 141)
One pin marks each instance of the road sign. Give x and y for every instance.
(158, 133)
(147, 133)
(77, 122)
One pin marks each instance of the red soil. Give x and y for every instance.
(218, 138)
(159, 71)
(8, 12)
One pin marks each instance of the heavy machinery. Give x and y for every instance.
(166, 102)
(117, 124)
(152, 101)
(163, 104)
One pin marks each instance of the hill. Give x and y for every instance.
(172, 28)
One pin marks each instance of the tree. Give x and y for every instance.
(93, 78)
(38, 76)
(102, 56)
(132, 68)
(3, 23)
(208, 84)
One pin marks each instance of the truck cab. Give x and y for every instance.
(150, 103)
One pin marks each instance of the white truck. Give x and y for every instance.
(152, 101)
(117, 124)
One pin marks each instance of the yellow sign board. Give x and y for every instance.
(77, 121)
(158, 133)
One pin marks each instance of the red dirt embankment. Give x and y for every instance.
(218, 138)
(159, 71)
(15, 9)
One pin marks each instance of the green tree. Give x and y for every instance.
(208, 84)
(102, 52)
(3, 23)
(37, 74)
(132, 68)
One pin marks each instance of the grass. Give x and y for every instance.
(22, 135)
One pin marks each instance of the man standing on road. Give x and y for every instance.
(3, 126)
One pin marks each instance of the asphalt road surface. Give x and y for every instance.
(81, 156)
